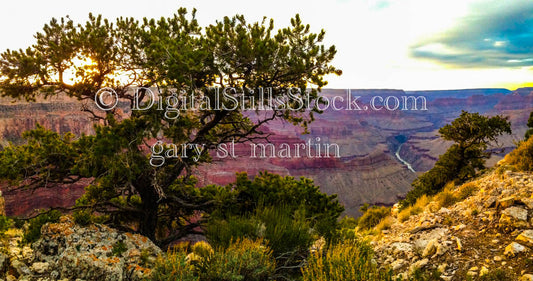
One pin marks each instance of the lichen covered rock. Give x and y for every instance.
(95, 252)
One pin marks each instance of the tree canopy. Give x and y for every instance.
(172, 55)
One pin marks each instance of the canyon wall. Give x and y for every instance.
(367, 170)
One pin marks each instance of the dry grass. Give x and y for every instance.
(522, 157)
(415, 209)
(467, 190)
(446, 198)
(345, 261)
(385, 224)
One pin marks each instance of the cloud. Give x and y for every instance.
(494, 34)
(379, 5)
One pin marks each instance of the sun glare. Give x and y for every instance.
(80, 65)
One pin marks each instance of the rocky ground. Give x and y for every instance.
(67, 251)
(490, 231)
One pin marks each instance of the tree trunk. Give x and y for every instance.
(149, 219)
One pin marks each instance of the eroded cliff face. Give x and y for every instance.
(367, 170)
(25, 201)
(61, 114)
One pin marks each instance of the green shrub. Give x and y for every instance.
(244, 259)
(18, 223)
(288, 233)
(346, 230)
(82, 217)
(348, 222)
(346, 234)
(345, 261)
(173, 267)
(285, 232)
(244, 197)
(373, 216)
(434, 180)
(221, 232)
(288, 214)
(33, 233)
(5, 223)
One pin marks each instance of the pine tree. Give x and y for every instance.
(471, 134)
(174, 55)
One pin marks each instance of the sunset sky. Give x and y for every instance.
(404, 44)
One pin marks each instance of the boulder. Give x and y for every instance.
(418, 265)
(40, 267)
(490, 202)
(397, 264)
(95, 252)
(526, 236)
(505, 202)
(402, 248)
(528, 202)
(20, 267)
(517, 213)
(431, 248)
(514, 217)
(513, 249)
